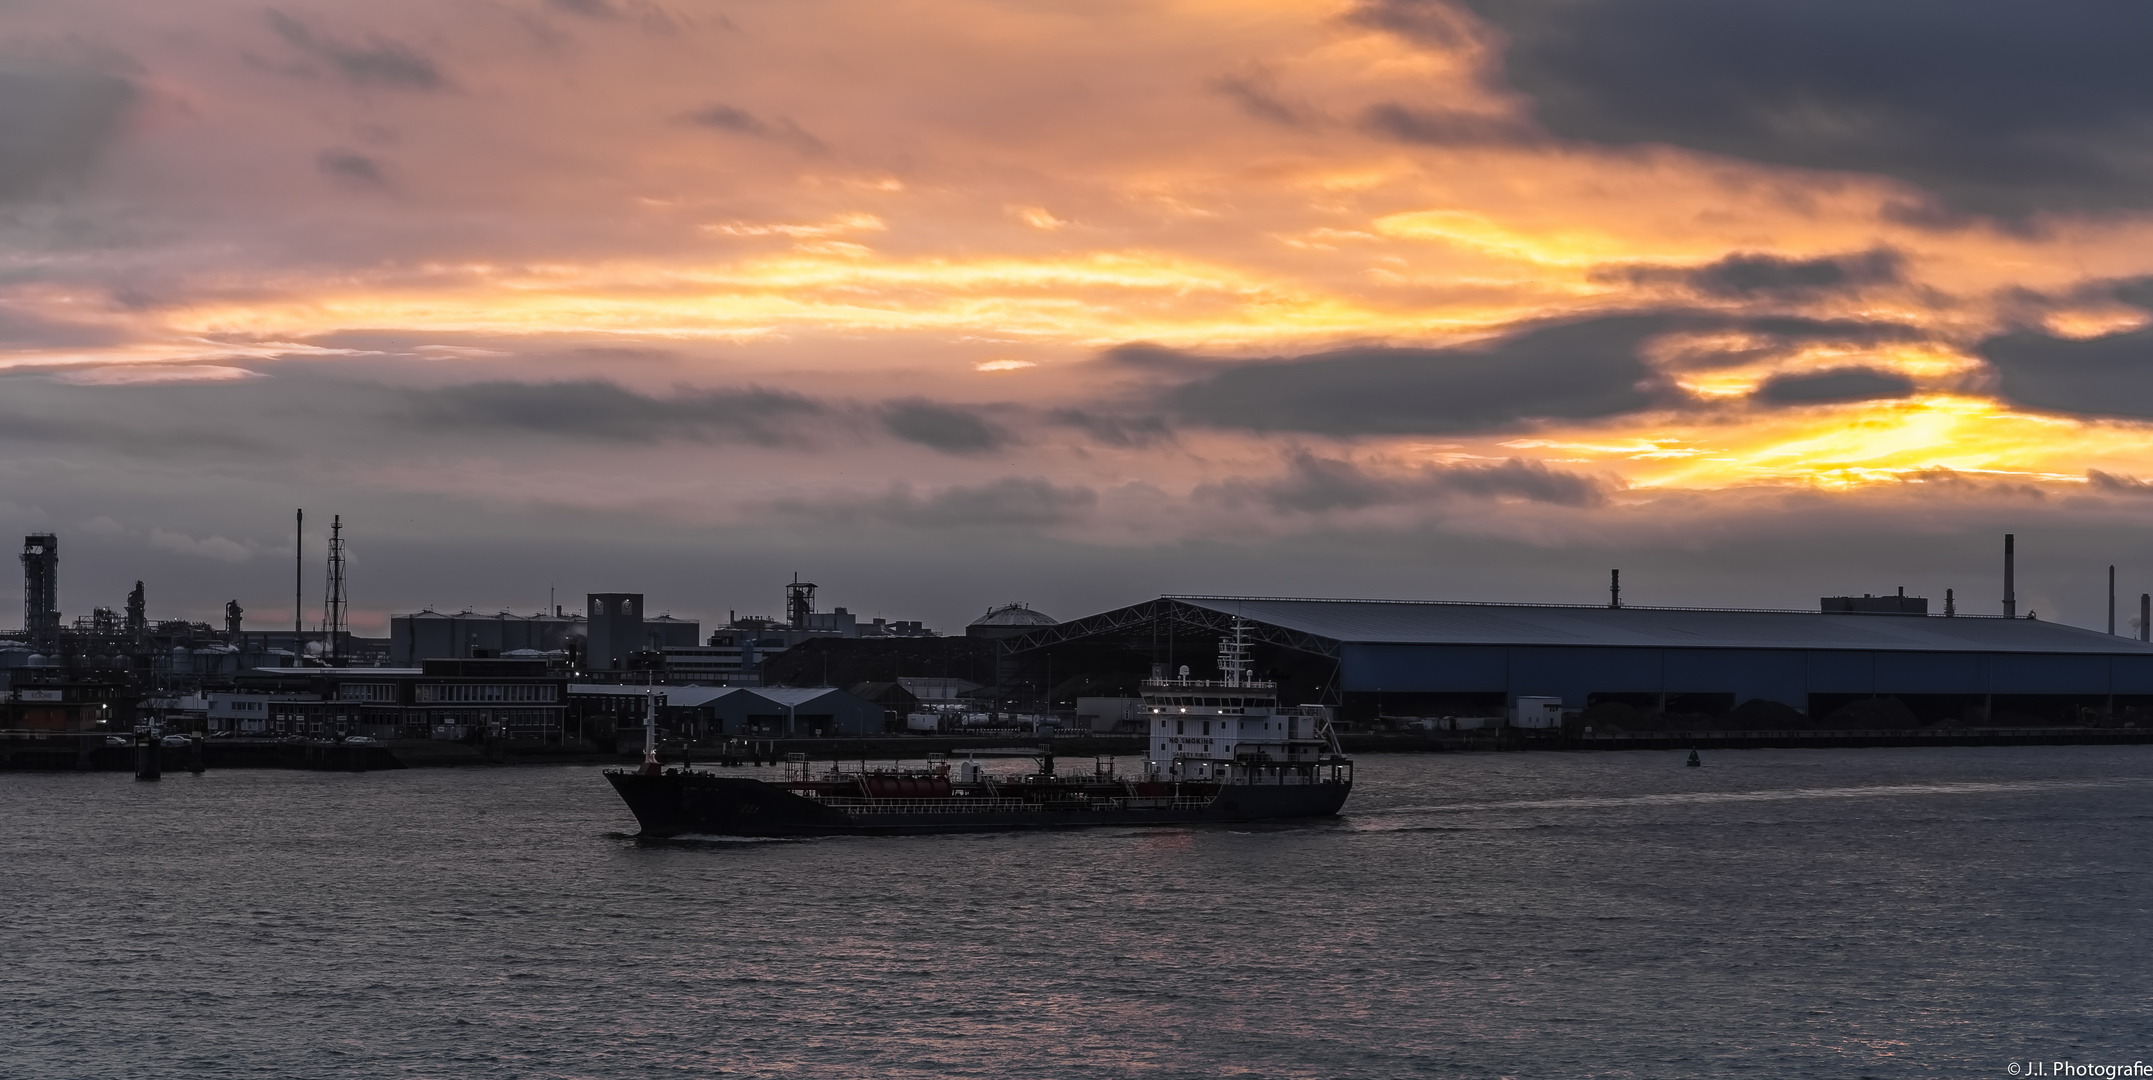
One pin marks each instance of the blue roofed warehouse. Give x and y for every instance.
(1408, 658)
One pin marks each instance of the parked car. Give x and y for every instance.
(118, 740)
(360, 740)
(175, 740)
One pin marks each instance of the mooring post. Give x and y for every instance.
(147, 764)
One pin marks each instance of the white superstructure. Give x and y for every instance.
(1201, 728)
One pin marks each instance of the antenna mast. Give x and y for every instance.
(332, 608)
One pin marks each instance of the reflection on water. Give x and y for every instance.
(1784, 913)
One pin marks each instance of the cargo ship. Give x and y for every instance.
(1218, 751)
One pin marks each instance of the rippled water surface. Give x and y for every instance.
(1775, 914)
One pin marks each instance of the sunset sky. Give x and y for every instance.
(947, 303)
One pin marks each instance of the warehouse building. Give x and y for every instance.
(704, 713)
(435, 635)
(1406, 658)
(615, 628)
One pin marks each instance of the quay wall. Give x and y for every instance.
(56, 753)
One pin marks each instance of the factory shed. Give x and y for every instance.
(803, 712)
(1376, 657)
(723, 711)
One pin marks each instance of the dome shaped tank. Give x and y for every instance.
(1009, 620)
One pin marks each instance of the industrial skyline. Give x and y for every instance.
(962, 304)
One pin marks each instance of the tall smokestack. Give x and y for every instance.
(2145, 616)
(1614, 588)
(2010, 576)
(2111, 601)
(299, 578)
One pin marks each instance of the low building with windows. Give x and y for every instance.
(262, 714)
(517, 700)
(68, 706)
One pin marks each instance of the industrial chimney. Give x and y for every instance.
(2010, 576)
(1614, 588)
(41, 591)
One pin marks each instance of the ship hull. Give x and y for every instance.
(704, 804)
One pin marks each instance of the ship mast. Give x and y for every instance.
(1233, 655)
(650, 734)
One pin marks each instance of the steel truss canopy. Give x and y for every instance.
(1208, 614)
(1322, 627)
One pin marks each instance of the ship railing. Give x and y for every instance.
(1260, 771)
(1207, 684)
(963, 805)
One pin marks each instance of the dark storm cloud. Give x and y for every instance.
(143, 423)
(1848, 384)
(1125, 431)
(605, 411)
(652, 17)
(1996, 106)
(737, 121)
(1317, 485)
(1150, 358)
(2111, 484)
(1745, 275)
(2137, 292)
(589, 9)
(1434, 22)
(1011, 500)
(1258, 96)
(1444, 127)
(20, 329)
(2107, 376)
(378, 62)
(1799, 328)
(351, 169)
(942, 427)
(1570, 371)
(1008, 501)
(53, 123)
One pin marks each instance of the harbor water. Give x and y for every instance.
(1774, 913)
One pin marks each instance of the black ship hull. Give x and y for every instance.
(698, 803)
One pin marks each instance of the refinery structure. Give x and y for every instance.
(544, 677)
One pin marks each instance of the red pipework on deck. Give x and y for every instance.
(905, 787)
